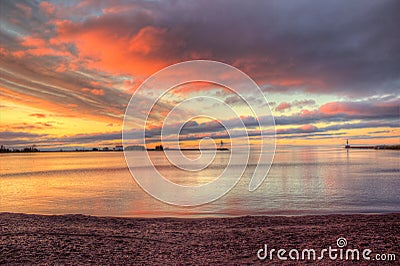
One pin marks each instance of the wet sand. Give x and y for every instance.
(79, 239)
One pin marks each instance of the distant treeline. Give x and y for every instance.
(3, 149)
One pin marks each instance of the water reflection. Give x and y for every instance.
(301, 181)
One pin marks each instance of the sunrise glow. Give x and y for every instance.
(68, 70)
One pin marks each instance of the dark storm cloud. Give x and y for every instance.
(342, 47)
(339, 47)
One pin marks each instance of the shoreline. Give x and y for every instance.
(81, 239)
(167, 149)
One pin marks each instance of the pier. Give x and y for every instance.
(372, 147)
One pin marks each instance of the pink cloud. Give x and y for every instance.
(360, 108)
(33, 42)
(283, 106)
(97, 92)
(47, 8)
(308, 128)
(354, 110)
(25, 9)
(302, 129)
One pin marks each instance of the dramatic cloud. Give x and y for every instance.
(79, 62)
(299, 45)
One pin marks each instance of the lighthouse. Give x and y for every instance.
(347, 144)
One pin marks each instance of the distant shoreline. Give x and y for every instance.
(191, 149)
(367, 147)
(374, 147)
(99, 150)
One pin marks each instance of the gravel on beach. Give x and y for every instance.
(80, 239)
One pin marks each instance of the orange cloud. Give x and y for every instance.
(93, 91)
(114, 53)
(41, 47)
(33, 42)
(38, 115)
(147, 40)
(97, 92)
(57, 108)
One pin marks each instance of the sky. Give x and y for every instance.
(329, 70)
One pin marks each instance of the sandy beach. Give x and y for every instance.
(79, 239)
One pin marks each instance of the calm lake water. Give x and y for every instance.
(302, 180)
